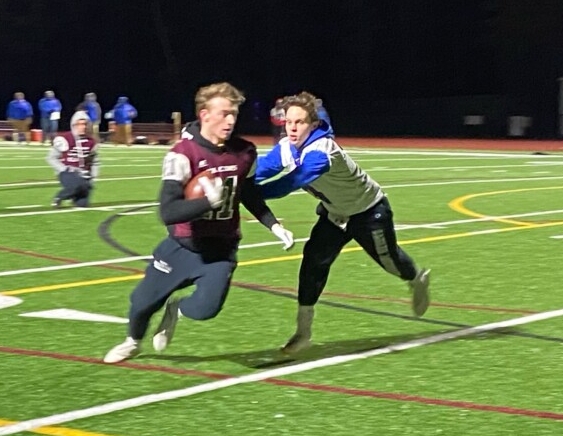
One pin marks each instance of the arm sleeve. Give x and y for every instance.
(270, 165)
(174, 208)
(95, 167)
(54, 159)
(252, 200)
(314, 164)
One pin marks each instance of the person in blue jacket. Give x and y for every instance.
(20, 115)
(352, 206)
(123, 114)
(91, 106)
(50, 113)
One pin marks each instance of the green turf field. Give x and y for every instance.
(489, 224)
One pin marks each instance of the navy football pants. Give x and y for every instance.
(175, 267)
(373, 230)
(75, 188)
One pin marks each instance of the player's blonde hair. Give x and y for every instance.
(223, 89)
(304, 100)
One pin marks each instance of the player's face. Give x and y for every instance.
(218, 120)
(79, 127)
(298, 125)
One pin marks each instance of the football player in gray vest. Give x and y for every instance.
(352, 206)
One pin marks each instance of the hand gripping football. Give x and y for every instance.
(193, 188)
(205, 184)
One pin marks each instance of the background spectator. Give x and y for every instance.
(50, 111)
(123, 114)
(20, 115)
(91, 106)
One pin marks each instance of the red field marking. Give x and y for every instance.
(64, 259)
(288, 290)
(392, 396)
(285, 289)
(440, 143)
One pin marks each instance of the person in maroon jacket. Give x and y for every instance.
(203, 233)
(277, 118)
(74, 158)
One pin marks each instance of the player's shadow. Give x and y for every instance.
(272, 358)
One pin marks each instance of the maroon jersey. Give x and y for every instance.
(75, 152)
(233, 163)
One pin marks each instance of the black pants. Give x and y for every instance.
(75, 188)
(373, 230)
(175, 267)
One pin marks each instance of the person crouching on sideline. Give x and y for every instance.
(74, 157)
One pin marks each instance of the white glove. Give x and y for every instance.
(213, 190)
(283, 235)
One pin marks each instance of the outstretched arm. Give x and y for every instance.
(314, 164)
(270, 165)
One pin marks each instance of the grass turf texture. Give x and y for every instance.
(483, 271)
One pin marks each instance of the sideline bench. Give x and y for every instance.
(156, 132)
(152, 133)
(6, 130)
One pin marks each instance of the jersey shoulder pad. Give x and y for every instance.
(60, 144)
(176, 166)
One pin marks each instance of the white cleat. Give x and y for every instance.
(165, 331)
(420, 293)
(126, 350)
(297, 343)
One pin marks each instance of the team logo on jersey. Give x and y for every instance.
(162, 266)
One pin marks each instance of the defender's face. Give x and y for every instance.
(218, 120)
(298, 125)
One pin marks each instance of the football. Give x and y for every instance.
(193, 189)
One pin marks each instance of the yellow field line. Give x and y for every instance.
(73, 285)
(458, 204)
(277, 259)
(55, 431)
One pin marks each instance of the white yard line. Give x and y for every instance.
(34, 167)
(143, 400)
(16, 272)
(458, 182)
(138, 212)
(460, 168)
(406, 185)
(25, 206)
(73, 265)
(56, 182)
(403, 152)
(77, 209)
(438, 225)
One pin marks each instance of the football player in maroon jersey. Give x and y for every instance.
(203, 233)
(74, 158)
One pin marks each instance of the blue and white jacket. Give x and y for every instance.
(323, 169)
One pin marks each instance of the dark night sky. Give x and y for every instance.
(360, 56)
